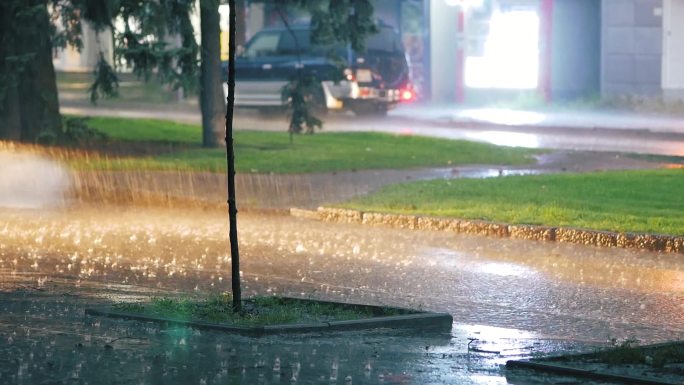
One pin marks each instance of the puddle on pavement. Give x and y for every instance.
(558, 289)
(46, 338)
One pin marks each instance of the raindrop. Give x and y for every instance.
(333, 372)
(368, 367)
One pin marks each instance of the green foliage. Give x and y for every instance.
(106, 82)
(71, 28)
(77, 132)
(336, 21)
(302, 95)
(627, 201)
(74, 132)
(142, 43)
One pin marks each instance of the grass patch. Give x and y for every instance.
(146, 130)
(630, 353)
(625, 201)
(271, 152)
(258, 311)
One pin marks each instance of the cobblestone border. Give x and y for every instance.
(651, 242)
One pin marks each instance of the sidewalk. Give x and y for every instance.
(46, 328)
(427, 113)
(584, 119)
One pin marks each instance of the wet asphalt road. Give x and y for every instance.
(532, 296)
(529, 136)
(414, 121)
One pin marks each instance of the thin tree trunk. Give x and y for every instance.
(211, 89)
(230, 155)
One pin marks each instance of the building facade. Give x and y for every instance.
(559, 49)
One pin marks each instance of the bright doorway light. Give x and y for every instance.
(464, 3)
(511, 53)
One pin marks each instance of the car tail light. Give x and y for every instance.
(349, 75)
(407, 94)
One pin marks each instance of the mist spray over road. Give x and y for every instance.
(31, 181)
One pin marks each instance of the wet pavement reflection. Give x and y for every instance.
(532, 296)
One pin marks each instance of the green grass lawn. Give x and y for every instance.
(271, 152)
(147, 130)
(256, 311)
(626, 201)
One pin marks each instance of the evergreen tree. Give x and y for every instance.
(29, 107)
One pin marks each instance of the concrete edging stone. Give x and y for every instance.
(419, 319)
(554, 364)
(651, 242)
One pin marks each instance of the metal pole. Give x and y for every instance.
(460, 55)
(546, 51)
(230, 158)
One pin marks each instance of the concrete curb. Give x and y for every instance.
(592, 374)
(549, 364)
(651, 242)
(416, 320)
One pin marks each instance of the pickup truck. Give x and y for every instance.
(368, 83)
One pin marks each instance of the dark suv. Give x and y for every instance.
(369, 82)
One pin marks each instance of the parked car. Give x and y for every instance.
(368, 83)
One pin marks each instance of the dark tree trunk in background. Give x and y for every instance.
(30, 106)
(10, 114)
(211, 88)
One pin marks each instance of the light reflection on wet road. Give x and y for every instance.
(627, 140)
(559, 289)
(563, 293)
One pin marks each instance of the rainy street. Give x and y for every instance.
(361, 145)
(518, 297)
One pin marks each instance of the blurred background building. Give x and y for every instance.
(471, 50)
